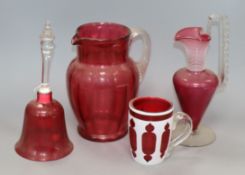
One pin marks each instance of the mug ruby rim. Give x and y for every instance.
(151, 114)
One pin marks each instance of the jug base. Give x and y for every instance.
(101, 137)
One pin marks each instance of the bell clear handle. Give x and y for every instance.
(47, 50)
(223, 27)
(145, 58)
(187, 130)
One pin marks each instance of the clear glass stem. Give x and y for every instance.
(46, 62)
(47, 49)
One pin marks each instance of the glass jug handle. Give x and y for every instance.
(223, 27)
(145, 58)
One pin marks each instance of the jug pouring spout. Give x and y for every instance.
(75, 40)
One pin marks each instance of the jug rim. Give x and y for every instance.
(125, 32)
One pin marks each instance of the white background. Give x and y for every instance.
(20, 25)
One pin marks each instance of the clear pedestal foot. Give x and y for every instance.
(201, 137)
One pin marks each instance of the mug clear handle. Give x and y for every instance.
(181, 118)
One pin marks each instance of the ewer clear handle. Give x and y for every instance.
(223, 26)
(185, 120)
(143, 62)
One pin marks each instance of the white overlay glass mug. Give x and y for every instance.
(151, 122)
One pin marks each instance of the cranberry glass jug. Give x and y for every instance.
(195, 85)
(103, 78)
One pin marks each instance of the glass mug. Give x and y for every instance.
(151, 123)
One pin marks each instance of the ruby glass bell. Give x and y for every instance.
(44, 136)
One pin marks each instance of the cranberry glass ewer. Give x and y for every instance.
(195, 85)
(44, 136)
(103, 78)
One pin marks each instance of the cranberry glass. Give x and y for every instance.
(195, 90)
(196, 85)
(44, 135)
(102, 78)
